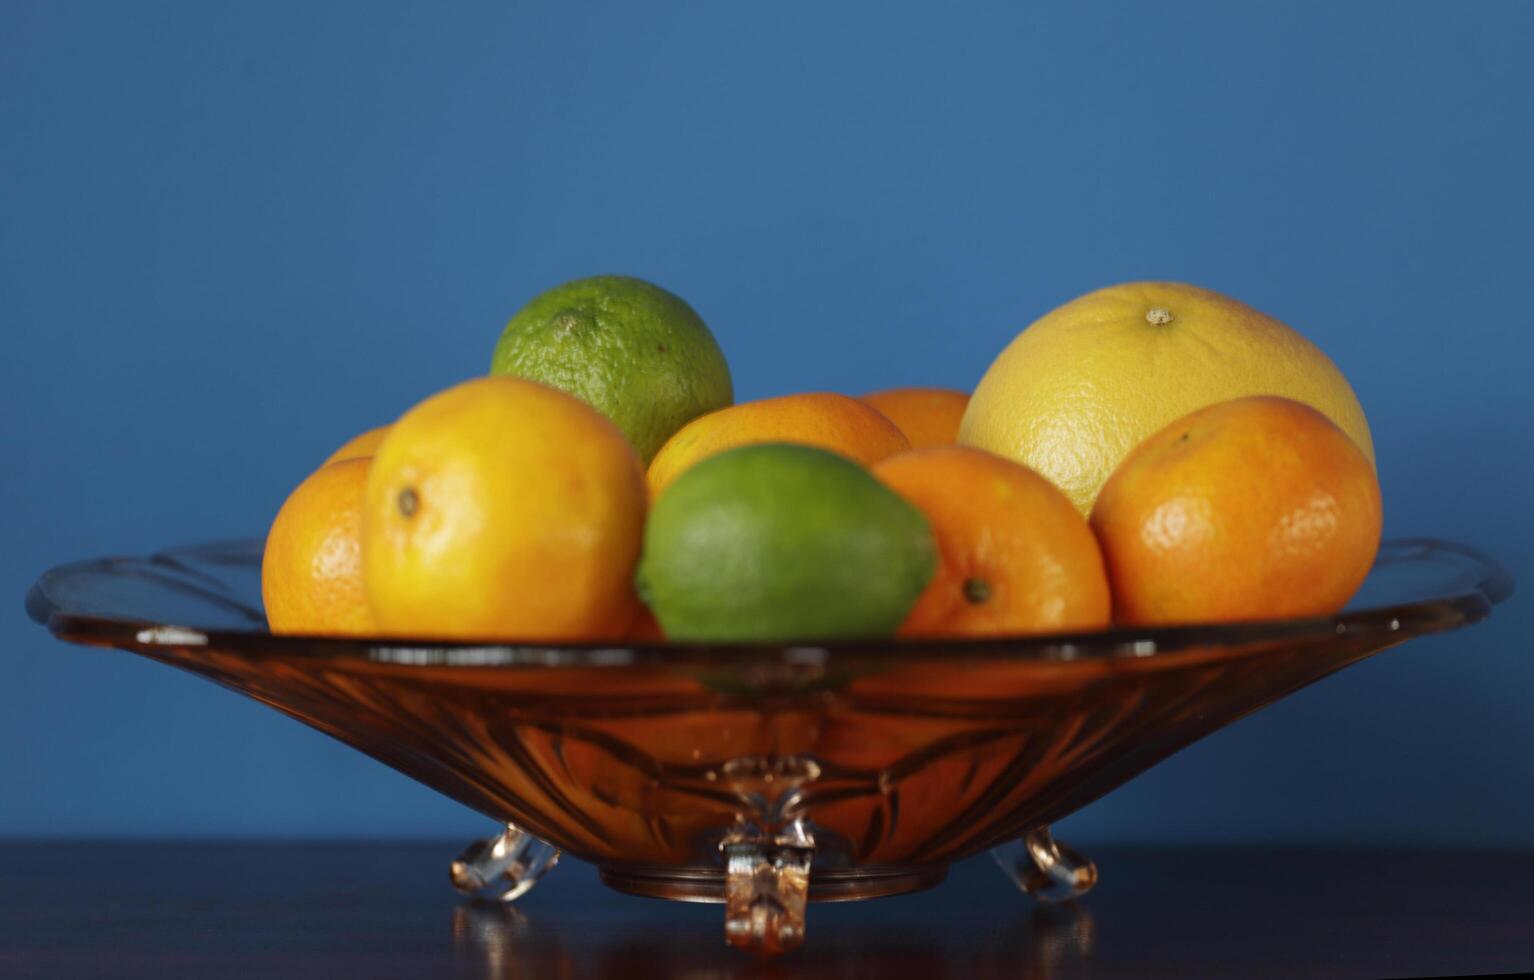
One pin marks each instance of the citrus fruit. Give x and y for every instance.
(927, 416)
(1014, 554)
(360, 446)
(1083, 385)
(782, 542)
(642, 627)
(503, 508)
(1256, 508)
(637, 353)
(311, 570)
(835, 422)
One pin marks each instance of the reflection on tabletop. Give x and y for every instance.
(1041, 943)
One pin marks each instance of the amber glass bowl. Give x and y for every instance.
(760, 773)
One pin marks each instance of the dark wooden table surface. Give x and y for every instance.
(384, 910)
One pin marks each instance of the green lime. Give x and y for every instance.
(780, 542)
(637, 353)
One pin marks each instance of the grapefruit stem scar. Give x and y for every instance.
(1158, 316)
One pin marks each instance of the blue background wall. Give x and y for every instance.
(231, 235)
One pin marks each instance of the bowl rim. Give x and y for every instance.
(1468, 599)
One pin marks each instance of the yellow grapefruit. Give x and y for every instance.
(1089, 381)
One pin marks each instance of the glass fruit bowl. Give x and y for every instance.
(759, 776)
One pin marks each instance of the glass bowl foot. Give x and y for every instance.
(1045, 868)
(765, 887)
(766, 883)
(503, 868)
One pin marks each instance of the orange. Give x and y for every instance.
(1015, 555)
(360, 446)
(503, 509)
(643, 627)
(927, 416)
(1257, 508)
(1089, 381)
(311, 571)
(835, 422)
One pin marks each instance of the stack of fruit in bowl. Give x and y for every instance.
(1150, 453)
